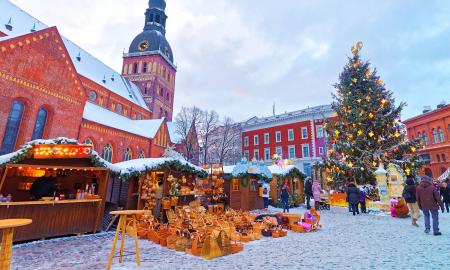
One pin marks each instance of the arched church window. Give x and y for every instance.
(142, 154)
(92, 96)
(135, 68)
(39, 125)
(119, 108)
(128, 154)
(88, 141)
(12, 127)
(107, 152)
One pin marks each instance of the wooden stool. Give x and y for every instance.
(8, 226)
(127, 218)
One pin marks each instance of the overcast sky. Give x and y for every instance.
(239, 57)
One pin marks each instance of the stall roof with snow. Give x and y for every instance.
(286, 171)
(254, 168)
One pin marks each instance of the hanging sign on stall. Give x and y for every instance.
(44, 151)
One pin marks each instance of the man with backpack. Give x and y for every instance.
(265, 195)
(409, 194)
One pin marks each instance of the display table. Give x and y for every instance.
(8, 226)
(127, 219)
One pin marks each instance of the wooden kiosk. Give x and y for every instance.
(295, 178)
(78, 203)
(244, 183)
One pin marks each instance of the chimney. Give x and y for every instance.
(426, 109)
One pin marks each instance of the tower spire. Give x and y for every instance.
(155, 16)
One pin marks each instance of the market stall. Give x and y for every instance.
(295, 179)
(160, 183)
(59, 184)
(243, 190)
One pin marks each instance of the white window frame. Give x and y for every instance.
(276, 136)
(255, 139)
(266, 138)
(303, 151)
(246, 141)
(246, 154)
(266, 150)
(289, 152)
(280, 153)
(290, 132)
(303, 133)
(319, 131)
(255, 152)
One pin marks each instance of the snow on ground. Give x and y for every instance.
(344, 242)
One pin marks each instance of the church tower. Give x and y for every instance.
(149, 62)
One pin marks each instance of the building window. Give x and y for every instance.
(278, 136)
(92, 96)
(135, 68)
(290, 135)
(142, 154)
(144, 68)
(158, 19)
(245, 141)
(438, 158)
(443, 158)
(253, 185)
(304, 133)
(441, 134)
(319, 131)
(320, 150)
(128, 154)
(267, 153)
(419, 136)
(139, 116)
(246, 154)
(235, 185)
(425, 138)
(307, 169)
(107, 152)
(266, 138)
(256, 154)
(256, 140)
(12, 128)
(291, 151)
(119, 108)
(435, 136)
(305, 151)
(88, 141)
(39, 126)
(279, 151)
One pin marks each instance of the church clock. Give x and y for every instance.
(143, 45)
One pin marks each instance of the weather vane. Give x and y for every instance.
(357, 47)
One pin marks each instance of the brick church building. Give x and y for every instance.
(50, 87)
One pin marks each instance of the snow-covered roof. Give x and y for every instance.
(88, 66)
(103, 116)
(251, 168)
(148, 164)
(175, 137)
(228, 169)
(282, 170)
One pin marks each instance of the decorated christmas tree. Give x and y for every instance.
(366, 131)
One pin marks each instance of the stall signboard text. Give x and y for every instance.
(62, 151)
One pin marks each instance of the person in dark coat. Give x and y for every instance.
(445, 193)
(409, 194)
(44, 186)
(362, 201)
(429, 201)
(308, 192)
(353, 198)
(285, 193)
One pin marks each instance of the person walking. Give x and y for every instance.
(308, 192)
(362, 200)
(265, 195)
(409, 194)
(353, 198)
(285, 192)
(316, 190)
(445, 193)
(429, 201)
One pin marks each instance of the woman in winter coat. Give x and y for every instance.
(353, 198)
(316, 190)
(409, 194)
(445, 193)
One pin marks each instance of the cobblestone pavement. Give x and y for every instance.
(344, 242)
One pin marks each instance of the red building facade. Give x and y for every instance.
(433, 128)
(298, 136)
(50, 87)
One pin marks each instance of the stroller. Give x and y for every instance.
(324, 203)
